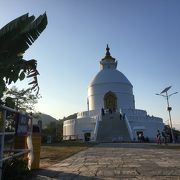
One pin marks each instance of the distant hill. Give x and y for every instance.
(72, 116)
(46, 119)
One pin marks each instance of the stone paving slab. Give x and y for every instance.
(111, 161)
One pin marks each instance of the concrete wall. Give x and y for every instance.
(123, 92)
(76, 128)
(140, 121)
(69, 129)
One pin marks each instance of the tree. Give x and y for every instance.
(15, 39)
(21, 99)
(53, 129)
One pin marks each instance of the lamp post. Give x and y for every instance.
(168, 107)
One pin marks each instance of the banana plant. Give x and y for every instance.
(15, 38)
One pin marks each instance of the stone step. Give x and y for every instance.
(112, 128)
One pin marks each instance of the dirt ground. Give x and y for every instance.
(54, 153)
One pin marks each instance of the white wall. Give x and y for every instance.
(140, 121)
(77, 127)
(125, 97)
(69, 128)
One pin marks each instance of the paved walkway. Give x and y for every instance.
(117, 161)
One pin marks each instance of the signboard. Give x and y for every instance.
(21, 124)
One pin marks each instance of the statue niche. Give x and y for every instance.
(110, 101)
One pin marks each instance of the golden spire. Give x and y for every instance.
(107, 51)
(108, 54)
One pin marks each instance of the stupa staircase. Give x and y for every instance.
(113, 128)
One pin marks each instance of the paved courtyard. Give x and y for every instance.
(117, 161)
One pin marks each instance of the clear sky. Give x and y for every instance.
(143, 35)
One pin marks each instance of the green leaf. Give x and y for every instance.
(10, 102)
(22, 76)
(15, 38)
(2, 87)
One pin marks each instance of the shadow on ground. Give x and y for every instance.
(45, 174)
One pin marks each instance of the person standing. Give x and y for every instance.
(164, 137)
(158, 136)
(102, 111)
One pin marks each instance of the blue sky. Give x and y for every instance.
(144, 36)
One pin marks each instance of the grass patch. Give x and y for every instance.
(167, 146)
(54, 153)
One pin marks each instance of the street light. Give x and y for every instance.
(168, 107)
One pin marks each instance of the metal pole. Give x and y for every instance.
(3, 118)
(169, 110)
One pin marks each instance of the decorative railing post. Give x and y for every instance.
(2, 131)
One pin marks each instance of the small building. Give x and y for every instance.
(111, 114)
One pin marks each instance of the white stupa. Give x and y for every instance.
(111, 93)
(110, 88)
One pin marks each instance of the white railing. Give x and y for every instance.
(96, 129)
(3, 133)
(85, 114)
(98, 118)
(128, 126)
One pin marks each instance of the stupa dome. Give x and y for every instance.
(110, 88)
(110, 76)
